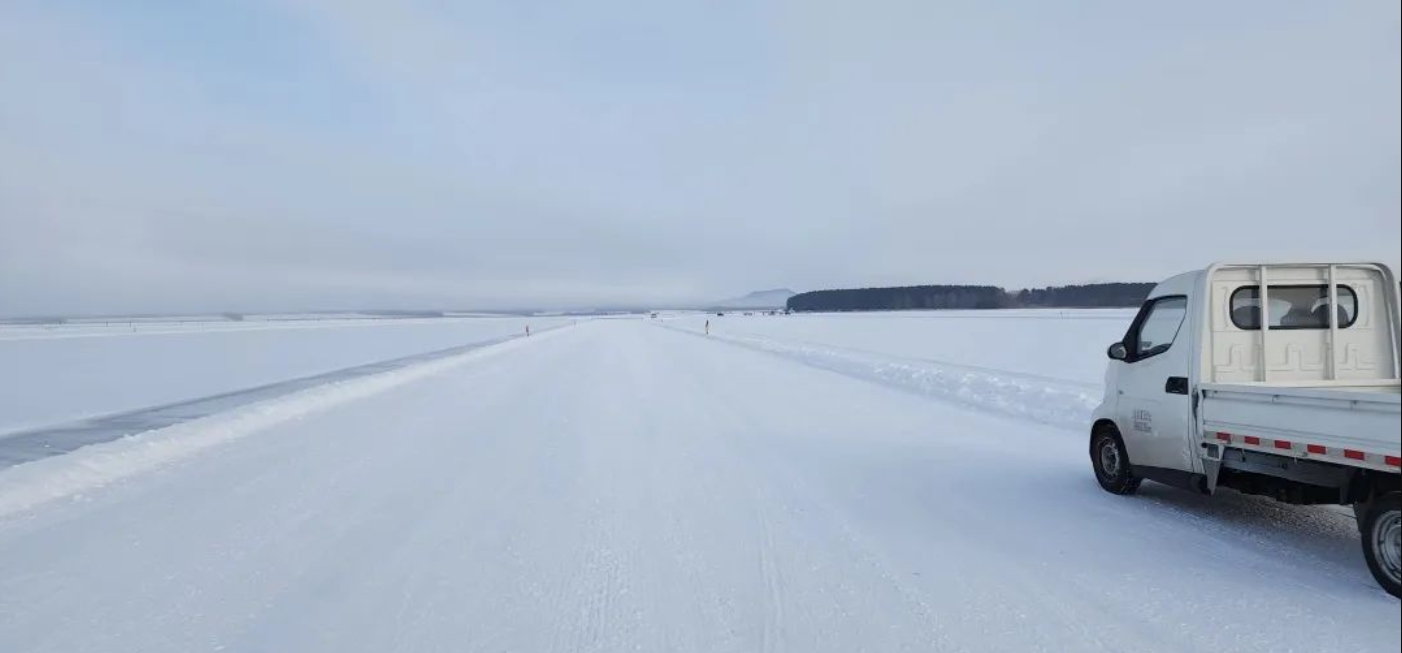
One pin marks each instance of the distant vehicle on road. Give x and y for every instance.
(1277, 380)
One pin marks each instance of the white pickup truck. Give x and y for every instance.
(1307, 410)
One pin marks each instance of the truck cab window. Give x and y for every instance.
(1160, 327)
(1293, 307)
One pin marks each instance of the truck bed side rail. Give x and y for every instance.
(1351, 428)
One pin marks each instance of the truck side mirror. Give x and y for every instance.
(1117, 352)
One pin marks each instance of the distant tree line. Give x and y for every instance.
(896, 299)
(1096, 295)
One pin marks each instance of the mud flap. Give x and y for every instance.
(1211, 465)
(1210, 468)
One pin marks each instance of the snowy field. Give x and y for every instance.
(808, 483)
(57, 373)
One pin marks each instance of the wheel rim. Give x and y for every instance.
(1109, 458)
(1387, 543)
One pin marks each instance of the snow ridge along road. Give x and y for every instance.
(74, 371)
(1048, 400)
(27, 446)
(617, 486)
(95, 465)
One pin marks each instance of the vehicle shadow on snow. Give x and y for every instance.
(1312, 546)
(1315, 546)
(1327, 531)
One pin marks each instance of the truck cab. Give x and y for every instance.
(1272, 379)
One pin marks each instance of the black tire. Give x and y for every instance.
(1111, 462)
(1381, 533)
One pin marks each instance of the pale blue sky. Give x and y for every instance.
(297, 154)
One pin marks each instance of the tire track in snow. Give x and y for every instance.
(600, 604)
(791, 519)
(773, 633)
(853, 539)
(1045, 400)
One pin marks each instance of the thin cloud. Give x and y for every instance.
(296, 154)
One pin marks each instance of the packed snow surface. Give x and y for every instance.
(636, 485)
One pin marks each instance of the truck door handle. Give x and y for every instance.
(1176, 385)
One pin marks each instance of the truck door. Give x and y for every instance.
(1154, 407)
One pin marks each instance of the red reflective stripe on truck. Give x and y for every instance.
(1314, 448)
(1283, 444)
(1355, 455)
(1225, 437)
(1251, 439)
(1393, 461)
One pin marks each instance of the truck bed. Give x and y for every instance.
(1354, 424)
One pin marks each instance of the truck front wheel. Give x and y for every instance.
(1381, 533)
(1111, 463)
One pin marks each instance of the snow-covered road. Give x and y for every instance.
(619, 486)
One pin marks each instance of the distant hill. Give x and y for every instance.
(776, 298)
(1096, 295)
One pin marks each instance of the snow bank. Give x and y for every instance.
(1046, 400)
(77, 371)
(1062, 344)
(25, 486)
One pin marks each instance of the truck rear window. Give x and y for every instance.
(1293, 307)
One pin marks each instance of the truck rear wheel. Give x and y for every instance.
(1111, 463)
(1381, 533)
